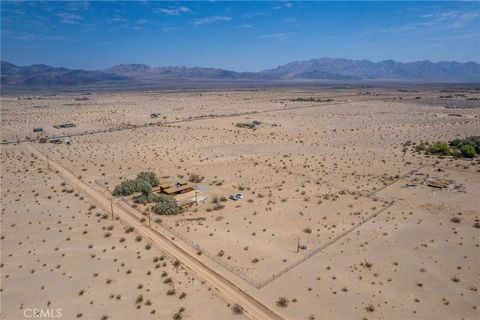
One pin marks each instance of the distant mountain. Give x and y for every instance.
(40, 75)
(144, 72)
(325, 69)
(383, 70)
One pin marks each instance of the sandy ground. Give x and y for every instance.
(60, 252)
(332, 174)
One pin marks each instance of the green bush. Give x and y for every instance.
(468, 151)
(144, 187)
(146, 198)
(143, 183)
(166, 205)
(473, 141)
(468, 147)
(456, 143)
(148, 177)
(440, 148)
(125, 188)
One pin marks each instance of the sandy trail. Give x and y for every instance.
(252, 307)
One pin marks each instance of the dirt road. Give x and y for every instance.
(231, 292)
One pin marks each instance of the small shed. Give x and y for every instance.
(38, 129)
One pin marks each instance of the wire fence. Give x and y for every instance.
(253, 282)
(322, 247)
(163, 123)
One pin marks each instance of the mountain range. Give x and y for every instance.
(324, 70)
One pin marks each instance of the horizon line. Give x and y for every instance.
(225, 69)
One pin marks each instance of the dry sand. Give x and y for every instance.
(332, 173)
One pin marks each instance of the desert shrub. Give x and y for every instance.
(166, 205)
(195, 178)
(421, 147)
(148, 177)
(236, 309)
(468, 151)
(455, 220)
(370, 307)
(282, 302)
(440, 148)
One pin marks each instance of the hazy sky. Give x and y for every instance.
(241, 36)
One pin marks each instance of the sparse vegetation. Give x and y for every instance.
(282, 302)
(195, 178)
(455, 219)
(370, 307)
(236, 309)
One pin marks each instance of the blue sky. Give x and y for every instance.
(240, 36)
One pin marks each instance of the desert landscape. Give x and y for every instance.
(344, 208)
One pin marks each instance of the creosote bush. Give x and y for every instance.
(282, 302)
(370, 307)
(236, 309)
(195, 178)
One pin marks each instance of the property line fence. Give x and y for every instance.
(253, 282)
(322, 247)
(163, 123)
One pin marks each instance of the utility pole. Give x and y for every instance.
(196, 197)
(48, 163)
(149, 219)
(111, 208)
(298, 244)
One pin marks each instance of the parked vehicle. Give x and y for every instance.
(236, 197)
